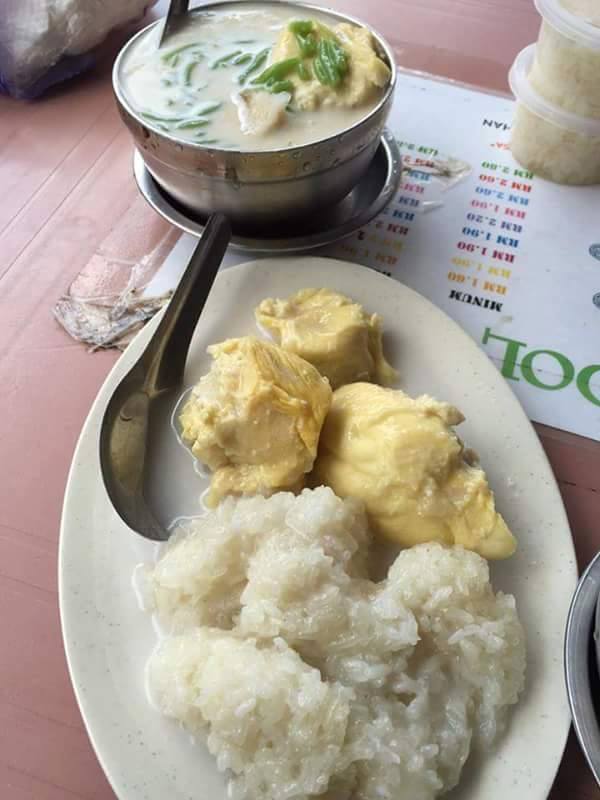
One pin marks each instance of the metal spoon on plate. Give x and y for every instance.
(154, 379)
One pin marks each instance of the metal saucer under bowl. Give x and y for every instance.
(360, 206)
(581, 665)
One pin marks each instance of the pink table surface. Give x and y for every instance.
(67, 195)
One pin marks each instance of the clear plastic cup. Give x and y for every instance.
(548, 140)
(566, 70)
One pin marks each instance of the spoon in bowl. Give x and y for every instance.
(153, 382)
(174, 20)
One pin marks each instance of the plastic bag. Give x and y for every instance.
(44, 42)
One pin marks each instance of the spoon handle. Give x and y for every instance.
(177, 10)
(178, 7)
(165, 355)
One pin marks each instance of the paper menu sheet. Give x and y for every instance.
(514, 259)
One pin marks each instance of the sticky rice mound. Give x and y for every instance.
(308, 678)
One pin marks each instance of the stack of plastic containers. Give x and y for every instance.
(556, 131)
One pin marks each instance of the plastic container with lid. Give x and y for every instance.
(556, 144)
(588, 10)
(566, 70)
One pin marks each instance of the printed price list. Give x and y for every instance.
(487, 249)
(381, 243)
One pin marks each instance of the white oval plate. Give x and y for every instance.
(108, 638)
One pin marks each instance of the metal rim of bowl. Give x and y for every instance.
(157, 200)
(122, 100)
(578, 643)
